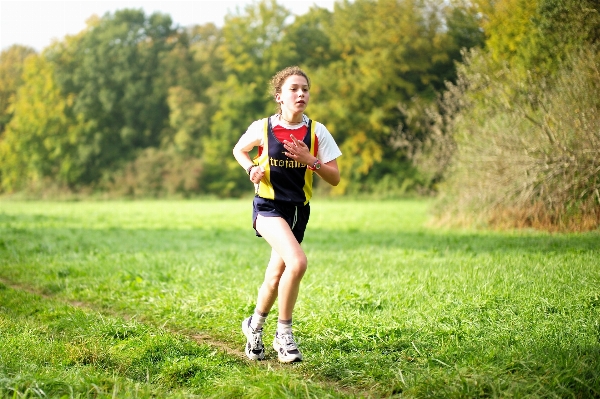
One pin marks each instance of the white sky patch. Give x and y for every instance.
(38, 23)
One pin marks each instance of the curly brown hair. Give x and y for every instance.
(280, 77)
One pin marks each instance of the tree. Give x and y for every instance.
(251, 53)
(113, 71)
(40, 142)
(510, 28)
(11, 69)
(404, 50)
(189, 71)
(306, 40)
(132, 89)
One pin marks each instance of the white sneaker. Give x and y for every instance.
(255, 350)
(287, 348)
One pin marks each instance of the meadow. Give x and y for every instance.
(139, 299)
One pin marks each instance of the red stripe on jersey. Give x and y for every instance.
(282, 134)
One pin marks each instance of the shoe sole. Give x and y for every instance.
(251, 356)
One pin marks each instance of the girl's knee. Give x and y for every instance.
(298, 266)
(273, 281)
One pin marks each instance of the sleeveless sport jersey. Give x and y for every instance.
(285, 178)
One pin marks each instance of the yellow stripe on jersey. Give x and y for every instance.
(308, 176)
(265, 187)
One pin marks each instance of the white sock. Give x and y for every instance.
(258, 320)
(284, 326)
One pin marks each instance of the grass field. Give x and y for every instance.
(145, 299)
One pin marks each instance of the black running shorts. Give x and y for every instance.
(295, 215)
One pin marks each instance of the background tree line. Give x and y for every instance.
(138, 106)
(491, 103)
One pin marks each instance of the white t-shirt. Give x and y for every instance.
(328, 149)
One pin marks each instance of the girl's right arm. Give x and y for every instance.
(241, 152)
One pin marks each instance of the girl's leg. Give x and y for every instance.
(267, 293)
(278, 234)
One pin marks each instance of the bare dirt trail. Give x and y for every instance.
(201, 338)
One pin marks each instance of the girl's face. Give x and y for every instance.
(294, 95)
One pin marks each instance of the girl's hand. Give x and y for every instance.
(256, 174)
(298, 151)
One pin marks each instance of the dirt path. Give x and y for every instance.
(199, 337)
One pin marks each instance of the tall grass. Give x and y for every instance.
(388, 307)
(517, 150)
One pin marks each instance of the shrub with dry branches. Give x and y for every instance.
(517, 151)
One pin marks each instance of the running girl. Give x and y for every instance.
(291, 148)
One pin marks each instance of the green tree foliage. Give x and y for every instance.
(565, 27)
(190, 69)
(114, 73)
(251, 54)
(135, 94)
(537, 35)
(40, 142)
(11, 68)
(510, 29)
(403, 50)
(463, 23)
(176, 167)
(307, 40)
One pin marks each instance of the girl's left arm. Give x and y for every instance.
(329, 172)
(299, 151)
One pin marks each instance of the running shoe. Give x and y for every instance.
(286, 348)
(255, 350)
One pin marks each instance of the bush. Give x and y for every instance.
(157, 174)
(527, 150)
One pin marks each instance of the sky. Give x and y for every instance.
(38, 23)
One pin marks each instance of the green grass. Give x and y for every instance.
(109, 297)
